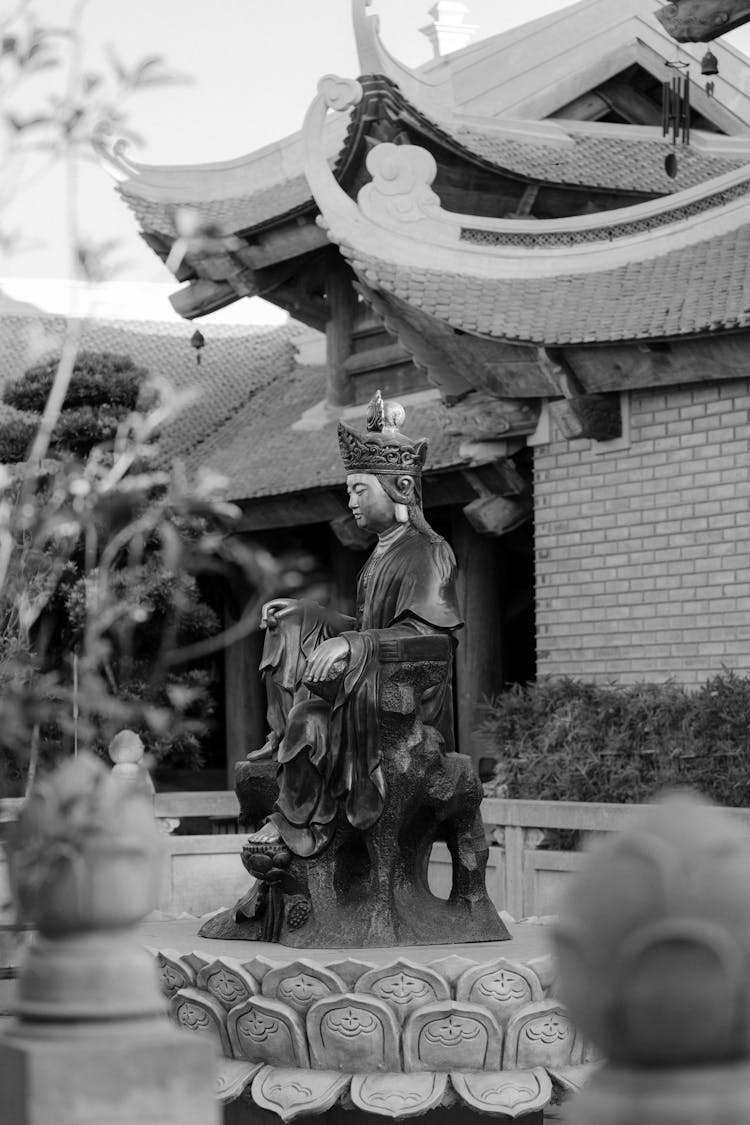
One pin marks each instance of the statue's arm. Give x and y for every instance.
(339, 622)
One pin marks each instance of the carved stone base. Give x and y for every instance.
(462, 1030)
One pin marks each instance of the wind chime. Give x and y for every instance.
(197, 341)
(675, 103)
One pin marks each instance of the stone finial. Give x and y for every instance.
(83, 855)
(653, 946)
(448, 32)
(90, 1042)
(126, 751)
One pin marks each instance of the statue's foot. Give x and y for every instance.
(268, 833)
(266, 751)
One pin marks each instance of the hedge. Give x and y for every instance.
(567, 740)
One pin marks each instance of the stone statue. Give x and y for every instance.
(330, 754)
(361, 741)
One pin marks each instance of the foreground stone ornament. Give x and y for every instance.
(653, 947)
(91, 1041)
(361, 741)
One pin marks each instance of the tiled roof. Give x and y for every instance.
(234, 213)
(700, 288)
(262, 455)
(236, 362)
(603, 161)
(250, 393)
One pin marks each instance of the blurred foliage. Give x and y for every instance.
(565, 740)
(54, 104)
(102, 561)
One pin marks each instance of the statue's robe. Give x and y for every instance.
(329, 755)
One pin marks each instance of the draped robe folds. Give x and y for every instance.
(329, 755)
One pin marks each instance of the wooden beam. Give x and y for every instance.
(699, 21)
(479, 657)
(302, 306)
(244, 699)
(342, 308)
(589, 107)
(588, 416)
(284, 243)
(293, 509)
(630, 104)
(202, 297)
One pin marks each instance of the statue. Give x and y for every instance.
(361, 719)
(329, 754)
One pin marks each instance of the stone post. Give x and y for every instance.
(91, 1044)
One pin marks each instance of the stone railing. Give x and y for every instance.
(524, 876)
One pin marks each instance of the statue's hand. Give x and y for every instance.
(325, 656)
(278, 607)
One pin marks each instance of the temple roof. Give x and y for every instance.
(615, 157)
(674, 266)
(535, 70)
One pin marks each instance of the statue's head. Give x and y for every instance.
(384, 469)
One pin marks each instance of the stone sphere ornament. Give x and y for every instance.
(653, 950)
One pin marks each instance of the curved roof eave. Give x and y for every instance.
(461, 268)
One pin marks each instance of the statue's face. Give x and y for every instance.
(369, 503)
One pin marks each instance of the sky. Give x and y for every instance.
(254, 66)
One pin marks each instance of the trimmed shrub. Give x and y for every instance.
(99, 378)
(17, 431)
(565, 740)
(80, 429)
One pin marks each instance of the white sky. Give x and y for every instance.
(255, 65)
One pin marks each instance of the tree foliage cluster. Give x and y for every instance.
(103, 390)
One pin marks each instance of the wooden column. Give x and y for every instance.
(244, 700)
(479, 659)
(342, 307)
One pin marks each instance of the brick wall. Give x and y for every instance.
(643, 553)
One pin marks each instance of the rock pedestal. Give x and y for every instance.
(369, 888)
(91, 1043)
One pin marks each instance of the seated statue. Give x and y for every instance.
(361, 744)
(329, 754)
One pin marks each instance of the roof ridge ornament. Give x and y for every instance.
(110, 151)
(400, 192)
(340, 93)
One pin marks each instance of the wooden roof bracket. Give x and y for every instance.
(578, 414)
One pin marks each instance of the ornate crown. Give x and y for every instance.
(383, 449)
